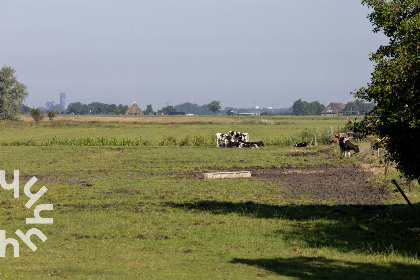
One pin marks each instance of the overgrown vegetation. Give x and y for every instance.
(394, 86)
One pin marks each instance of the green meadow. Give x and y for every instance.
(140, 209)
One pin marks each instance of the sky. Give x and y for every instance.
(243, 53)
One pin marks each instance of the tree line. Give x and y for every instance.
(304, 108)
(96, 108)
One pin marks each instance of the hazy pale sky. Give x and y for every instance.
(240, 52)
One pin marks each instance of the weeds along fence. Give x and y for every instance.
(195, 141)
(306, 135)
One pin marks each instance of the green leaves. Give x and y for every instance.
(394, 86)
(12, 94)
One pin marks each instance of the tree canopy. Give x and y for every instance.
(149, 110)
(214, 106)
(304, 108)
(12, 94)
(96, 108)
(358, 105)
(395, 82)
(192, 108)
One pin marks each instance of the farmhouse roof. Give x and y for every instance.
(333, 108)
(134, 110)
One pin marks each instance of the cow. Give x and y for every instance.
(251, 144)
(346, 146)
(236, 139)
(221, 140)
(303, 144)
(236, 136)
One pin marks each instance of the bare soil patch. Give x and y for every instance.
(325, 185)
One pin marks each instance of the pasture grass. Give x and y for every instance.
(123, 212)
(175, 131)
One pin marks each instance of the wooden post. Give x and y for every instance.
(338, 124)
(315, 140)
(401, 191)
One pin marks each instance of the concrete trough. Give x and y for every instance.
(227, 175)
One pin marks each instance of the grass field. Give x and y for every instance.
(144, 212)
(167, 130)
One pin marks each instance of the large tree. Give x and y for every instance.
(395, 82)
(149, 110)
(12, 94)
(303, 108)
(214, 106)
(358, 106)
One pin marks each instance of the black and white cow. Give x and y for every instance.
(303, 144)
(251, 144)
(236, 136)
(346, 146)
(236, 139)
(221, 140)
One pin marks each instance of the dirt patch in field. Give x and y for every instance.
(325, 185)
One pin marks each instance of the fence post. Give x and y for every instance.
(401, 191)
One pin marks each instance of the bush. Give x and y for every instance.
(37, 115)
(52, 115)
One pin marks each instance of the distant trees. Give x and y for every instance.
(192, 108)
(112, 110)
(12, 94)
(26, 109)
(214, 106)
(149, 110)
(303, 108)
(78, 108)
(168, 109)
(229, 111)
(359, 105)
(96, 108)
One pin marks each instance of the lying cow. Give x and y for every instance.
(303, 144)
(251, 144)
(346, 146)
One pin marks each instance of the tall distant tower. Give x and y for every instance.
(63, 100)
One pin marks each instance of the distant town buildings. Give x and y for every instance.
(63, 100)
(48, 105)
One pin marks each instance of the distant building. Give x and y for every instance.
(48, 105)
(333, 109)
(178, 113)
(134, 110)
(63, 100)
(248, 114)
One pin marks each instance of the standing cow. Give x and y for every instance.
(346, 146)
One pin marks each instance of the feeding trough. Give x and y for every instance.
(227, 175)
